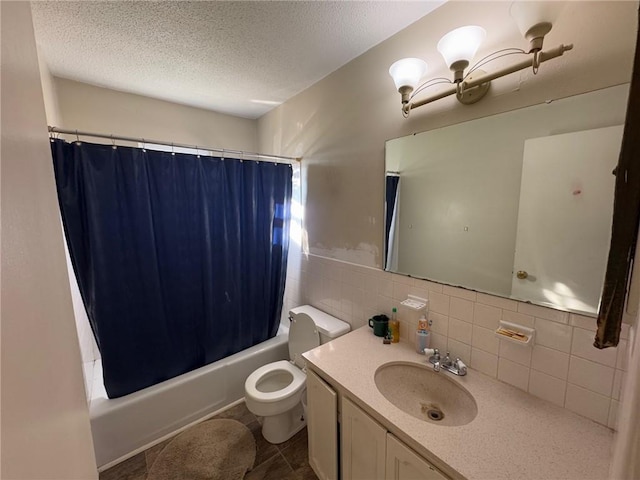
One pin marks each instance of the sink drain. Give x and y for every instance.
(435, 415)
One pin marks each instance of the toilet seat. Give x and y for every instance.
(284, 366)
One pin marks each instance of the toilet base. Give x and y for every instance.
(280, 428)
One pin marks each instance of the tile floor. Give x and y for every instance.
(287, 461)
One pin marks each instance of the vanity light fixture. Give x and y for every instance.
(458, 47)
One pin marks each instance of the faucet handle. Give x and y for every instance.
(432, 352)
(462, 368)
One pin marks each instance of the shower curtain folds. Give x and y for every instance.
(180, 259)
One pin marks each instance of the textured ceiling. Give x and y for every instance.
(240, 58)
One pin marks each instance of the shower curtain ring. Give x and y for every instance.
(113, 142)
(144, 145)
(77, 138)
(172, 151)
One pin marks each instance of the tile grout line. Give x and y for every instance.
(286, 461)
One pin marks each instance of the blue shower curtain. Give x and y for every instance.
(180, 259)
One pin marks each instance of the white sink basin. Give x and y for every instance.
(426, 394)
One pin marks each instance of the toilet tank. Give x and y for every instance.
(329, 327)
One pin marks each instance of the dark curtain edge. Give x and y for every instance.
(626, 220)
(391, 190)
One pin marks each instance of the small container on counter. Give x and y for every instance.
(423, 335)
(423, 340)
(394, 326)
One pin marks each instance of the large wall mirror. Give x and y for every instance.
(517, 204)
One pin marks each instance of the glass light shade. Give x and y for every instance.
(461, 44)
(529, 14)
(407, 72)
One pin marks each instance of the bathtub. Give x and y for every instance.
(127, 425)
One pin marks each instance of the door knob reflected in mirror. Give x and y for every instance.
(521, 274)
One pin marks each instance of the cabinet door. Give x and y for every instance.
(404, 464)
(322, 427)
(362, 444)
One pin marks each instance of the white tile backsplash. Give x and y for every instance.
(553, 335)
(547, 387)
(439, 303)
(460, 350)
(484, 362)
(513, 373)
(484, 339)
(440, 323)
(588, 323)
(562, 367)
(590, 375)
(613, 414)
(587, 403)
(438, 341)
(400, 291)
(516, 353)
(385, 287)
(582, 346)
(487, 316)
(618, 382)
(459, 293)
(461, 309)
(549, 361)
(543, 312)
(518, 318)
(503, 303)
(460, 331)
(623, 355)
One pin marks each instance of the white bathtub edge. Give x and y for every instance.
(141, 449)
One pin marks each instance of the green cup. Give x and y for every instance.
(380, 325)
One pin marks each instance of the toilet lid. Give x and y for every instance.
(303, 336)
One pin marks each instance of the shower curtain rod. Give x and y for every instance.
(224, 151)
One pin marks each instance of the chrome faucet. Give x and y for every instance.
(446, 363)
(456, 367)
(435, 359)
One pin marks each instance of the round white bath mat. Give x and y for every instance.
(219, 449)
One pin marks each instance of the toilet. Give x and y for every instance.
(275, 391)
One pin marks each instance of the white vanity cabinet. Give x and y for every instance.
(367, 450)
(322, 427)
(362, 445)
(404, 464)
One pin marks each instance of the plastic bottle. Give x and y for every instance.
(423, 335)
(394, 326)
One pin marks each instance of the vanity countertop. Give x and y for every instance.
(514, 436)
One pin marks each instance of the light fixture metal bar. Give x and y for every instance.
(223, 151)
(543, 57)
(487, 77)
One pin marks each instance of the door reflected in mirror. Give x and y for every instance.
(517, 204)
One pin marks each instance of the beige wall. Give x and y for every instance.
(45, 420)
(49, 92)
(101, 110)
(341, 123)
(88, 348)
